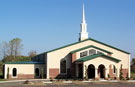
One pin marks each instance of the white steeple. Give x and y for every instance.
(83, 34)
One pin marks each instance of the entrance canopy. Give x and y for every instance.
(86, 58)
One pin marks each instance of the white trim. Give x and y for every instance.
(47, 66)
(129, 66)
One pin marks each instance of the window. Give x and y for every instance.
(82, 54)
(98, 52)
(114, 69)
(37, 72)
(92, 51)
(63, 66)
(14, 72)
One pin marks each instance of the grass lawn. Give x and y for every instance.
(2, 80)
(0, 75)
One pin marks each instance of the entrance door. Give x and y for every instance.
(80, 70)
(101, 71)
(91, 71)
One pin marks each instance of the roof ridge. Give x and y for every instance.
(25, 62)
(89, 46)
(83, 41)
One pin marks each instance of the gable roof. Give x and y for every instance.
(90, 46)
(83, 59)
(87, 40)
(26, 62)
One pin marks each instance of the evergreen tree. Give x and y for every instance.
(86, 73)
(121, 73)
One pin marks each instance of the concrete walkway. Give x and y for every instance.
(8, 81)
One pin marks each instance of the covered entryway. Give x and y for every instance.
(91, 71)
(101, 71)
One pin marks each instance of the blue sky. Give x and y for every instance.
(46, 24)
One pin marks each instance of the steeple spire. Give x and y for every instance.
(83, 20)
(83, 34)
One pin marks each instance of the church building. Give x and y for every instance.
(86, 58)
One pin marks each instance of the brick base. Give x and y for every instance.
(112, 75)
(22, 76)
(96, 78)
(125, 73)
(29, 76)
(117, 78)
(53, 72)
(106, 78)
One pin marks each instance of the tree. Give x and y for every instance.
(133, 65)
(4, 49)
(121, 73)
(32, 53)
(1, 66)
(8, 73)
(15, 47)
(11, 50)
(86, 73)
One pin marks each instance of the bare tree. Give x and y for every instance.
(18, 46)
(12, 49)
(15, 47)
(32, 53)
(4, 49)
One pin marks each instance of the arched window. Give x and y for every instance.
(37, 72)
(114, 69)
(14, 72)
(63, 66)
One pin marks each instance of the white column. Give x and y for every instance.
(83, 70)
(106, 73)
(118, 72)
(96, 73)
(5, 72)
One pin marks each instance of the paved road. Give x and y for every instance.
(90, 84)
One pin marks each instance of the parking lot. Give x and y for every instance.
(74, 84)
